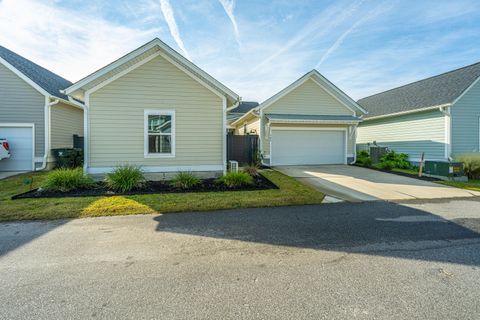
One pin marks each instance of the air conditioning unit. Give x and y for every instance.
(233, 166)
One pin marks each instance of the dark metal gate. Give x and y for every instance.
(243, 149)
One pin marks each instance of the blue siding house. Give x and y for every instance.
(439, 116)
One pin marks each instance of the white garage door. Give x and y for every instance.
(20, 140)
(304, 147)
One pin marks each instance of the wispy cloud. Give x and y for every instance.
(229, 6)
(172, 25)
(318, 26)
(338, 42)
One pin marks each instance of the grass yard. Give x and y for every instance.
(413, 171)
(470, 185)
(290, 192)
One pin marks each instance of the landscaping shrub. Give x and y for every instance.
(185, 180)
(363, 158)
(125, 178)
(471, 165)
(252, 170)
(392, 160)
(65, 180)
(236, 179)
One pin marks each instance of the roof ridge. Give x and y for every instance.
(417, 81)
(36, 64)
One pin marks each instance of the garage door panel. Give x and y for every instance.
(20, 140)
(304, 147)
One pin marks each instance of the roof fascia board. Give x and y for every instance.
(170, 52)
(264, 105)
(22, 76)
(340, 92)
(334, 96)
(102, 71)
(122, 73)
(317, 121)
(466, 90)
(408, 112)
(242, 118)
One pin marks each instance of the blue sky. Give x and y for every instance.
(254, 47)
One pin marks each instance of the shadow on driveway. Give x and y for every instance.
(362, 227)
(13, 237)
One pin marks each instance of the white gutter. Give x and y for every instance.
(46, 111)
(408, 112)
(234, 106)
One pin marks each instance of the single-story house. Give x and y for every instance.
(155, 109)
(309, 122)
(437, 116)
(35, 116)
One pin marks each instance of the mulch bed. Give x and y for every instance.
(404, 174)
(151, 187)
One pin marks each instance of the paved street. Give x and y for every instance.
(373, 260)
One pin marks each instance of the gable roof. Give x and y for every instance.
(132, 59)
(323, 82)
(442, 89)
(43, 78)
(244, 107)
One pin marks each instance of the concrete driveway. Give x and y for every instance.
(355, 184)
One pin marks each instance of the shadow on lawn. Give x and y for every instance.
(347, 227)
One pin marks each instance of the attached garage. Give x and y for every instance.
(294, 146)
(21, 142)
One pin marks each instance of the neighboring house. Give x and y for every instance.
(34, 116)
(242, 108)
(438, 116)
(155, 109)
(309, 122)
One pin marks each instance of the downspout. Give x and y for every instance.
(354, 133)
(448, 131)
(48, 104)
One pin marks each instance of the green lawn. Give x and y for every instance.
(290, 192)
(413, 171)
(470, 185)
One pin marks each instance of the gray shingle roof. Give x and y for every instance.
(44, 78)
(244, 107)
(434, 91)
(307, 117)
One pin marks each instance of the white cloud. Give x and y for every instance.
(172, 25)
(69, 43)
(229, 6)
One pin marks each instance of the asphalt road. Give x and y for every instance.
(375, 260)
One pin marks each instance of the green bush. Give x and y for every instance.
(185, 180)
(363, 158)
(392, 160)
(236, 179)
(471, 164)
(65, 180)
(252, 170)
(125, 178)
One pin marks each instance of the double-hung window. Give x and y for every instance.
(159, 133)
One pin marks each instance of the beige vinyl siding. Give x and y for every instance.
(65, 121)
(465, 122)
(412, 134)
(308, 98)
(21, 103)
(116, 134)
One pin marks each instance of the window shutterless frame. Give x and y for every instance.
(156, 112)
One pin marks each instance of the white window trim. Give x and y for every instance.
(148, 112)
